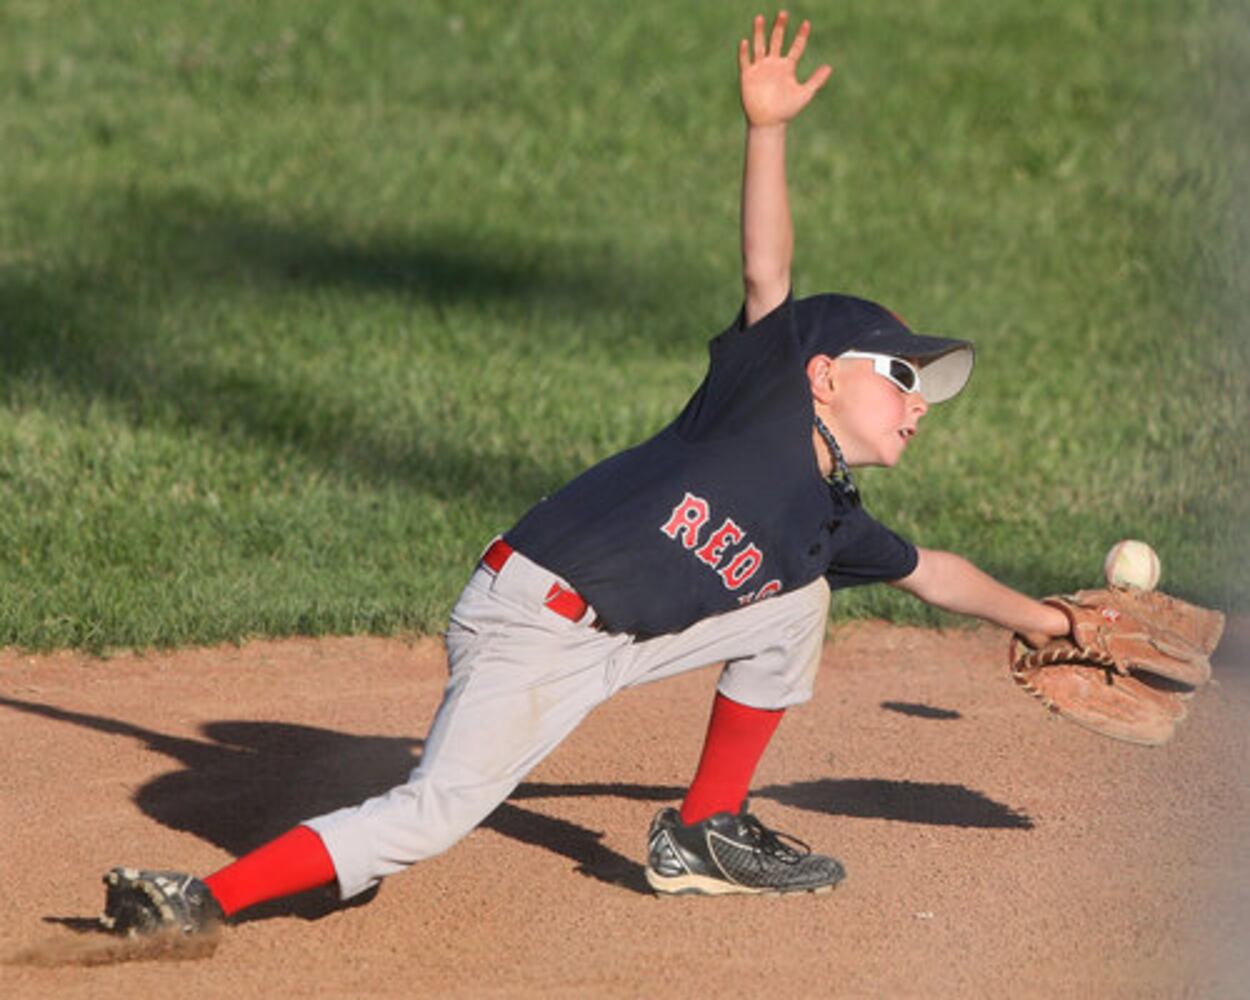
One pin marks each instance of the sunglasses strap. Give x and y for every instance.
(840, 478)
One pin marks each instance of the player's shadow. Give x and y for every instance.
(242, 783)
(936, 803)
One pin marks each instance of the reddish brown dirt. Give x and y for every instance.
(991, 849)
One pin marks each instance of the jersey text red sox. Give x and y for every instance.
(684, 526)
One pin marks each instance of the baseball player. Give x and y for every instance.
(718, 540)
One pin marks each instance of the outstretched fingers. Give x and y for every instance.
(817, 80)
(778, 39)
(771, 90)
(800, 42)
(759, 51)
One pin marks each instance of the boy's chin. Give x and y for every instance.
(886, 456)
(880, 462)
(891, 458)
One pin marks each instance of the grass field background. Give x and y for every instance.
(300, 303)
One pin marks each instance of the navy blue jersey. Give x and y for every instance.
(723, 507)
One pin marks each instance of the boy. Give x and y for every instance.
(718, 540)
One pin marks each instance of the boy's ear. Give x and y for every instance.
(822, 376)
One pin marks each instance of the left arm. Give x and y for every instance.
(771, 97)
(952, 583)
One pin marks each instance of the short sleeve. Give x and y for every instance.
(754, 377)
(866, 551)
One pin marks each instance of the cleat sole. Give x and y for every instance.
(703, 885)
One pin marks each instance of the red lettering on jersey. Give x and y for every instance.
(742, 567)
(770, 588)
(688, 519)
(727, 534)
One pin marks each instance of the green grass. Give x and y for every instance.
(301, 303)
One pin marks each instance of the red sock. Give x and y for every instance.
(736, 737)
(296, 861)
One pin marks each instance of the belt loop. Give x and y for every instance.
(496, 555)
(560, 599)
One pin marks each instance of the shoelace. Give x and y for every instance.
(770, 842)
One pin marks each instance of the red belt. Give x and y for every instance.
(560, 599)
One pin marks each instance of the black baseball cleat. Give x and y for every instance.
(728, 853)
(139, 903)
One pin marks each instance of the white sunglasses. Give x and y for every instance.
(902, 373)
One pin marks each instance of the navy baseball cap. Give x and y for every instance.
(831, 324)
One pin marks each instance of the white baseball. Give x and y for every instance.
(1131, 563)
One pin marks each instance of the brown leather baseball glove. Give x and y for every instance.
(1128, 665)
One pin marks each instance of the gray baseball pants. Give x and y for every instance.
(522, 678)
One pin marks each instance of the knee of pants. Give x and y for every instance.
(410, 823)
(766, 688)
(782, 674)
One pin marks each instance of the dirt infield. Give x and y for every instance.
(989, 847)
